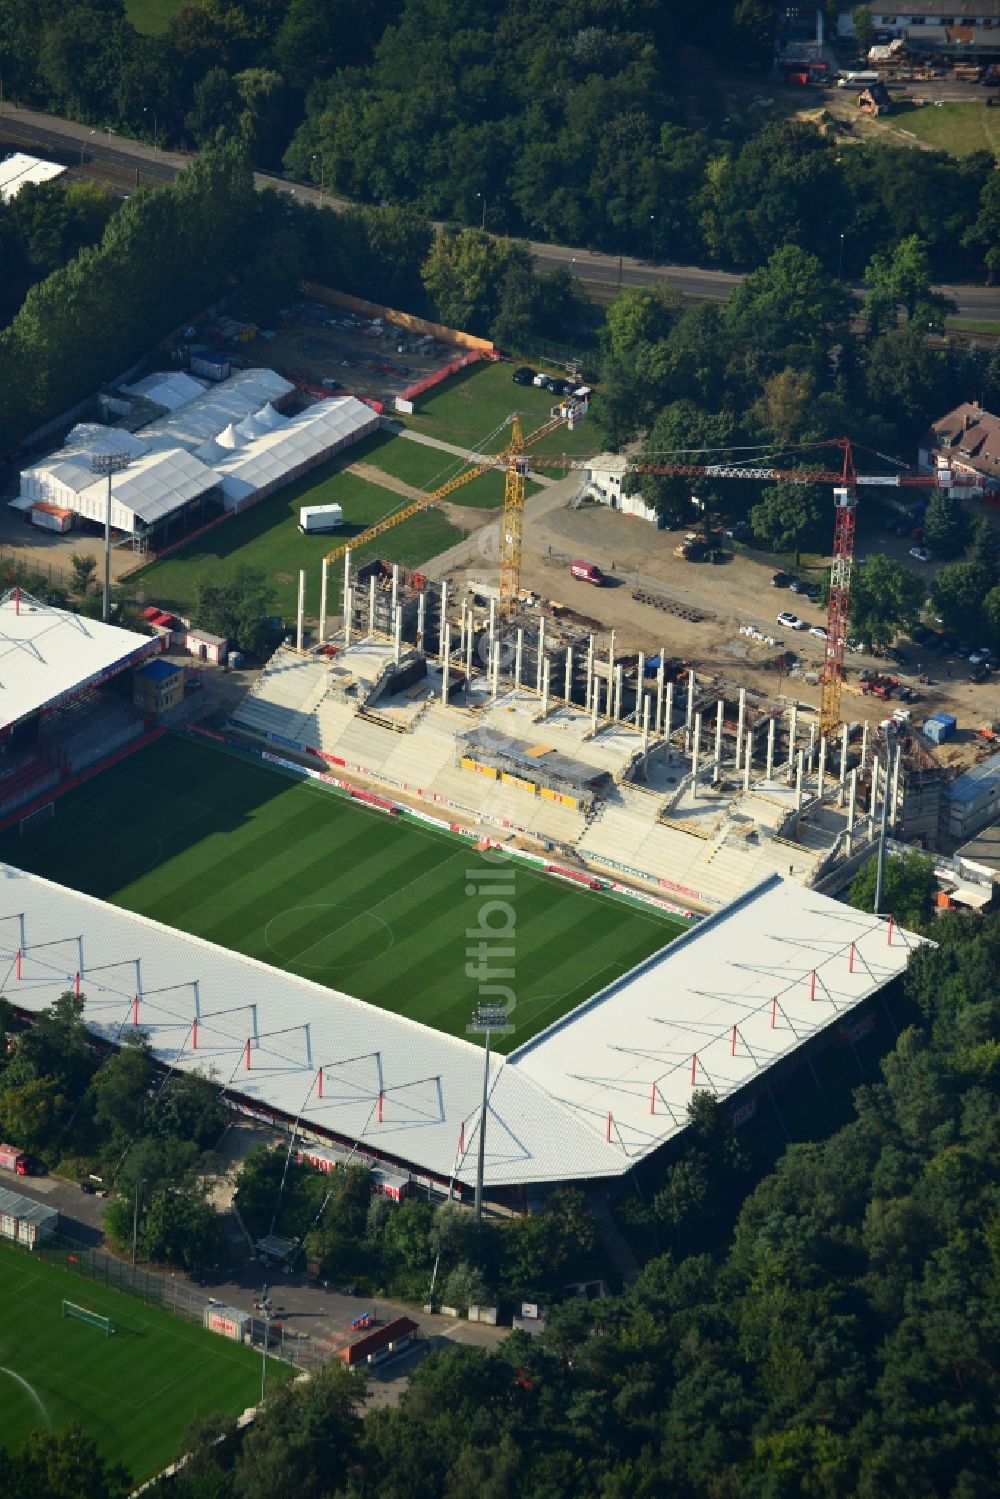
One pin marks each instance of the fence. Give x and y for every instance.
(405, 320)
(16, 565)
(174, 1295)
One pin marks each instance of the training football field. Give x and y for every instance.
(133, 1393)
(293, 874)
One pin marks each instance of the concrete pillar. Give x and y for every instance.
(720, 710)
(748, 756)
(689, 716)
(371, 605)
(445, 663)
(545, 687)
(876, 768)
(894, 793)
(645, 722)
(568, 677)
(397, 635)
(812, 746)
(492, 626)
(541, 652)
(658, 720)
(348, 612)
(641, 693)
(821, 776)
(611, 657)
(595, 692)
(421, 619)
(444, 616)
(843, 765)
(347, 570)
(590, 671)
(518, 656)
(324, 577)
(851, 802)
(793, 727)
(864, 747)
(395, 589)
(492, 669)
(668, 720)
(619, 672)
(468, 657)
(741, 714)
(301, 611)
(695, 747)
(799, 766)
(770, 750)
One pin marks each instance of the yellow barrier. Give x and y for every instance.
(401, 319)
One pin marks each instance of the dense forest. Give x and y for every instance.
(628, 125)
(837, 1337)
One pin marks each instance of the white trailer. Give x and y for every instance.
(314, 518)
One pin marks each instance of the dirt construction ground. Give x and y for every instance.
(638, 558)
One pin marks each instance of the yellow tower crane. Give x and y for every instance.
(515, 465)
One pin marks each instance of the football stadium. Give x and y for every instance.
(383, 843)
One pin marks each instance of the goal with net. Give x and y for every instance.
(83, 1314)
(35, 819)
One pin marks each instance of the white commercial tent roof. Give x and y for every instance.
(204, 417)
(172, 390)
(47, 653)
(153, 486)
(260, 457)
(18, 169)
(619, 1066)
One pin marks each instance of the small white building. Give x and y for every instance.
(24, 1220)
(924, 13)
(604, 484)
(973, 801)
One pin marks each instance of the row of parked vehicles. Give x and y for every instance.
(525, 375)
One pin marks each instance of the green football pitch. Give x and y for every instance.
(133, 1393)
(293, 874)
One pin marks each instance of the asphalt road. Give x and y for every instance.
(66, 138)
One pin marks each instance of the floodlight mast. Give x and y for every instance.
(487, 1018)
(107, 464)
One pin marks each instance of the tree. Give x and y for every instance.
(120, 1089)
(885, 598)
(687, 434)
(788, 516)
(984, 233)
(637, 380)
(945, 525)
(790, 311)
(902, 277)
(864, 28)
(34, 1113)
(982, 548)
(304, 1433)
(464, 275)
(84, 567)
(237, 607)
(991, 617)
(959, 593)
(782, 410)
(464, 1287)
(909, 888)
(178, 1227)
(62, 1465)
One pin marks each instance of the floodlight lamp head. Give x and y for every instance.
(109, 463)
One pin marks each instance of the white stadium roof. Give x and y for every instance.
(48, 653)
(18, 169)
(587, 1098)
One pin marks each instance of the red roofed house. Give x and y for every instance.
(378, 1345)
(967, 441)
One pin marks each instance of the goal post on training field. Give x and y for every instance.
(35, 819)
(93, 1319)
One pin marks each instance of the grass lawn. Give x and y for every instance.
(323, 888)
(132, 1393)
(956, 128)
(151, 16)
(267, 536)
(471, 405)
(428, 468)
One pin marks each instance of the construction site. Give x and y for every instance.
(536, 726)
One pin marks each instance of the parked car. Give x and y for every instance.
(979, 657)
(791, 621)
(799, 585)
(818, 631)
(523, 376)
(780, 580)
(920, 635)
(920, 554)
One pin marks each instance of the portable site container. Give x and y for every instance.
(26, 1221)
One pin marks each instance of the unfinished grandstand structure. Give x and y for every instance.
(60, 713)
(539, 733)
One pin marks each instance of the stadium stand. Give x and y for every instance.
(80, 732)
(24, 778)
